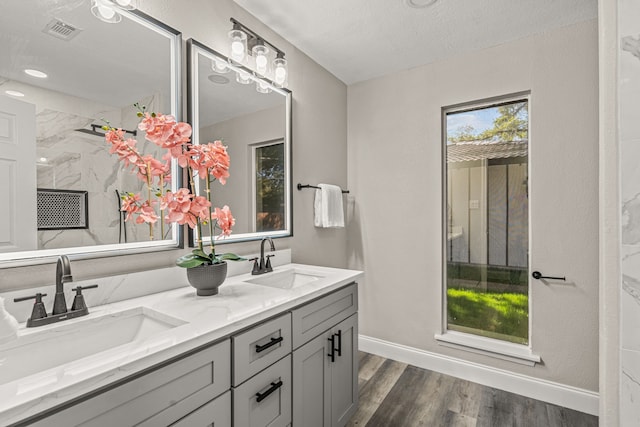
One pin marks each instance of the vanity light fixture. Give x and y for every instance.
(107, 10)
(36, 73)
(260, 52)
(262, 86)
(280, 71)
(238, 40)
(219, 66)
(245, 41)
(243, 77)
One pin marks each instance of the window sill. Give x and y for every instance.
(516, 353)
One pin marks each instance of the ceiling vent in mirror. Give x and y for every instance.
(61, 30)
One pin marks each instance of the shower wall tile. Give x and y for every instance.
(629, 128)
(630, 388)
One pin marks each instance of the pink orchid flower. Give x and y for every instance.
(224, 220)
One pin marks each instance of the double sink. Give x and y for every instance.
(63, 343)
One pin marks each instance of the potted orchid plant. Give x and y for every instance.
(159, 206)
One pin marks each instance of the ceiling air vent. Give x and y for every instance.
(61, 30)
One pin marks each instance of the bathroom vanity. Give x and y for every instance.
(278, 350)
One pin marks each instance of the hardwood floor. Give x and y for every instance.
(396, 394)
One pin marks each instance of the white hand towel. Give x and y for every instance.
(8, 325)
(328, 211)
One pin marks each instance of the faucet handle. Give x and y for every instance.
(256, 267)
(268, 263)
(78, 300)
(38, 311)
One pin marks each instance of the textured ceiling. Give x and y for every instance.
(360, 39)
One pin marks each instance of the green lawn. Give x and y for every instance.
(491, 314)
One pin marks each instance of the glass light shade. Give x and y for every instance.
(105, 11)
(125, 4)
(260, 52)
(280, 72)
(238, 40)
(262, 87)
(243, 77)
(219, 66)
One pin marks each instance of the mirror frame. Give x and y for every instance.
(45, 256)
(194, 48)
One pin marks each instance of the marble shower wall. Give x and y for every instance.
(629, 127)
(79, 161)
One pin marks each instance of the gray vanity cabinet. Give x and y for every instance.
(262, 374)
(325, 380)
(193, 387)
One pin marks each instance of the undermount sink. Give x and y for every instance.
(41, 350)
(287, 279)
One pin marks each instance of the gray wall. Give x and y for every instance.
(395, 172)
(319, 146)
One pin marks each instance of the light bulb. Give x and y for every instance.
(281, 75)
(238, 47)
(106, 12)
(243, 77)
(260, 52)
(280, 72)
(261, 64)
(262, 87)
(124, 3)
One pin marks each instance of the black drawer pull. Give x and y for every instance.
(339, 349)
(274, 387)
(332, 355)
(274, 341)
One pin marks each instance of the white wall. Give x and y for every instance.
(319, 146)
(395, 173)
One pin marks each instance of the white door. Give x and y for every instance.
(18, 205)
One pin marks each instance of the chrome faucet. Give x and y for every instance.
(63, 275)
(39, 315)
(263, 265)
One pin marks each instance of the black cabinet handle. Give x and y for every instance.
(537, 275)
(274, 387)
(332, 355)
(339, 349)
(274, 341)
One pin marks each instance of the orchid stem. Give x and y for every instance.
(213, 250)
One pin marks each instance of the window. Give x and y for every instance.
(269, 176)
(486, 219)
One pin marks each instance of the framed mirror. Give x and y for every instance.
(253, 120)
(64, 72)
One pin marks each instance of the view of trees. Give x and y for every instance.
(511, 124)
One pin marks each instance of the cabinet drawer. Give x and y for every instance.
(314, 318)
(216, 413)
(273, 388)
(158, 398)
(259, 347)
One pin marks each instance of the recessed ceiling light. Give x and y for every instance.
(419, 3)
(218, 79)
(36, 73)
(13, 93)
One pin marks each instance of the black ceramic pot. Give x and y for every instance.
(207, 278)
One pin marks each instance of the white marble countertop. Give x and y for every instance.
(207, 319)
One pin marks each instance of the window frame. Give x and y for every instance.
(518, 353)
(253, 174)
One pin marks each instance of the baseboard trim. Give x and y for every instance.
(547, 391)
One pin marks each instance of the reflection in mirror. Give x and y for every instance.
(255, 126)
(61, 183)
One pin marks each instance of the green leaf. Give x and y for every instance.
(200, 253)
(191, 260)
(231, 257)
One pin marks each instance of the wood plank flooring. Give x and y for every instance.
(396, 394)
